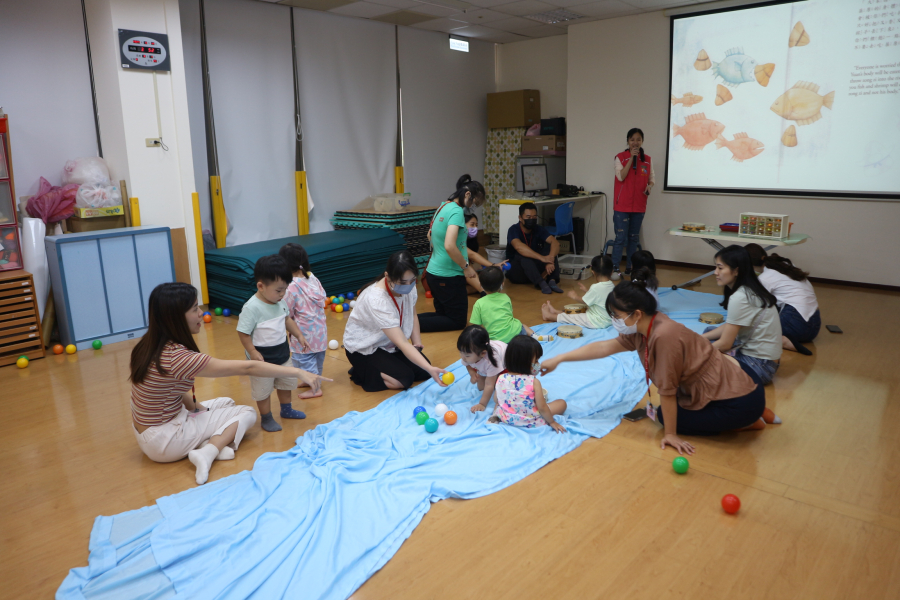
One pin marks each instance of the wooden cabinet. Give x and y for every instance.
(10, 249)
(20, 325)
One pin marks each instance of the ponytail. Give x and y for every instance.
(633, 295)
(783, 265)
(475, 339)
(465, 184)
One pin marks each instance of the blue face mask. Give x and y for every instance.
(403, 289)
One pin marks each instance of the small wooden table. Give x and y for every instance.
(718, 239)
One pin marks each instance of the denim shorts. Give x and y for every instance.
(311, 361)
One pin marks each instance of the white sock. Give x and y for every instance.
(226, 453)
(203, 458)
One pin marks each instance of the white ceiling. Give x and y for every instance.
(499, 21)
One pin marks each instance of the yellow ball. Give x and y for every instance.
(448, 378)
(22, 363)
(71, 349)
(339, 308)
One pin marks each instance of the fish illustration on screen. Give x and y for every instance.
(742, 146)
(736, 68)
(802, 103)
(697, 131)
(688, 100)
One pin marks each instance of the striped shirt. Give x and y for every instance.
(157, 399)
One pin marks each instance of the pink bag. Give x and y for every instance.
(534, 130)
(52, 204)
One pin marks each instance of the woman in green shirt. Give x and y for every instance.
(449, 267)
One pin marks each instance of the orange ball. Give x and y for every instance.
(450, 417)
(207, 318)
(58, 349)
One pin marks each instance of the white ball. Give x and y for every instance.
(440, 409)
(353, 304)
(333, 345)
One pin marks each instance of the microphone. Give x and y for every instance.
(634, 163)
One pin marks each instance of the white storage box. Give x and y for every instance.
(763, 225)
(575, 266)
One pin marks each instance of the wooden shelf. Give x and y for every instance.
(20, 326)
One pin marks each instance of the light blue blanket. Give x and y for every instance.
(318, 520)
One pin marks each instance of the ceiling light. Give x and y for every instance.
(554, 16)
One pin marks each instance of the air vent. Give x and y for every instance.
(554, 16)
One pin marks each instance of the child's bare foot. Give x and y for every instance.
(309, 394)
(548, 313)
(301, 384)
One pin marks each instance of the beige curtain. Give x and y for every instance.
(503, 146)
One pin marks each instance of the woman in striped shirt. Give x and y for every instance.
(168, 422)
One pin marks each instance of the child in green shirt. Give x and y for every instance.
(596, 316)
(494, 311)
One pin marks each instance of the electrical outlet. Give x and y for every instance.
(153, 142)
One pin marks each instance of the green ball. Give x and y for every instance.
(422, 417)
(23, 356)
(96, 344)
(431, 425)
(680, 464)
(218, 311)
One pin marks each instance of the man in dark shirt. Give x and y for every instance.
(532, 252)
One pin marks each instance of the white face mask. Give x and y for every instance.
(620, 326)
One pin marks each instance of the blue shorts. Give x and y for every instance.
(311, 362)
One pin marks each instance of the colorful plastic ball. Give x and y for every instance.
(441, 409)
(207, 314)
(450, 417)
(428, 294)
(422, 417)
(335, 300)
(58, 349)
(353, 304)
(417, 410)
(346, 306)
(22, 362)
(226, 312)
(218, 311)
(23, 356)
(207, 318)
(71, 349)
(351, 296)
(506, 267)
(731, 503)
(681, 465)
(333, 345)
(431, 425)
(97, 344)
(339, 308)
(448, 378)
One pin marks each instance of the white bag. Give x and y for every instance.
(90, 169)
(92, 195)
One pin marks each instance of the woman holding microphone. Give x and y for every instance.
(634, 180)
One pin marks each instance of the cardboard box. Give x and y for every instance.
(521, 108)
(554, 145)
(106, 211)
(77, 224)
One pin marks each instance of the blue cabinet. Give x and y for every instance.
(102, 281)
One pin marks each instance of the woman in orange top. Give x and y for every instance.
(701, 390)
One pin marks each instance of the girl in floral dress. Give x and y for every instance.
(305, 297)
(521, 401)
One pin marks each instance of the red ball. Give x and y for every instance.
(58, 349)
(207, 318)
(428, 294)
(731, 503)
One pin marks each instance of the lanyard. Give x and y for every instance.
(399, 312)
(525, 237)
(647, 354)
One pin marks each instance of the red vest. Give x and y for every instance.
(629, 194)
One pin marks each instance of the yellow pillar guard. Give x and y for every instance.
(135, 212)
(302, 202)
(398, 180)
(201, 255)
(220, 220)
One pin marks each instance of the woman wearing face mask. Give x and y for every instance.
(634, 180)
(382, 338)
(449, 270)
(474, 285)
(701, 391)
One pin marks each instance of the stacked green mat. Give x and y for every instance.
(343, 261)
(412, 225)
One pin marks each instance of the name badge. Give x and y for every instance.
(643, 169)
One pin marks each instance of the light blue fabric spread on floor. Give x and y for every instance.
(318, 520)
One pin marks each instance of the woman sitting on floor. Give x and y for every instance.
(798, 308)
(382, 337)
(701, 391)
(168, 422)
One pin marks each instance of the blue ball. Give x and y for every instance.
(207, 313)
(351, 296)
(346, 307)
(431, 425)
(506, 267)
(226, 312)
(417, 410)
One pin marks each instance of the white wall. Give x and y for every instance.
(163, 181)
(539, 64)
(853, 240)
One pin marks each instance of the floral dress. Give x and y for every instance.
(305, 297)
(515, 401)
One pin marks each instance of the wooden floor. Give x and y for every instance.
(820, 494)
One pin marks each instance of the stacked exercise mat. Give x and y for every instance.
(412, 224)
(342, 260)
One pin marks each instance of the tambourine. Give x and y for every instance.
(574, 309)
(569, 331)
(711, 318)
